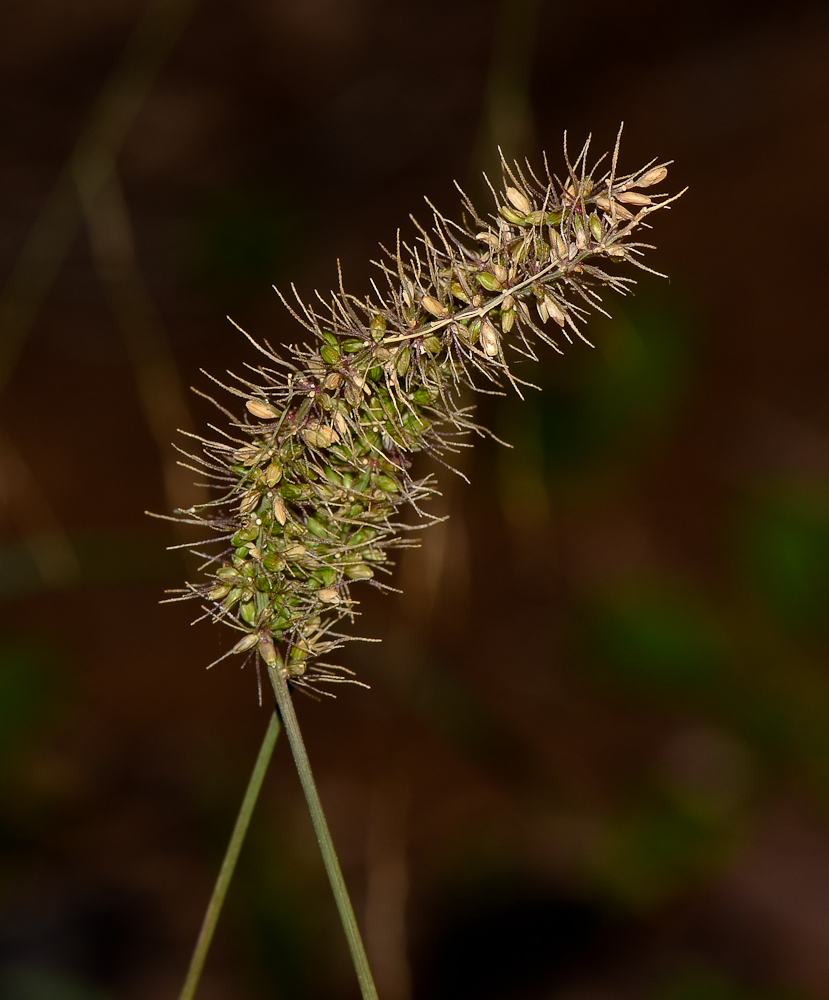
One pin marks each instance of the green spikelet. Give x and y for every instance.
(313, 475)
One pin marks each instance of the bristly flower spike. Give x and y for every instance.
(313, 474)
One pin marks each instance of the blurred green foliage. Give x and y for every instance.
(659, 849)
(785, 554)
(28, 983)
(238, 242)
(283, 903)
(603, 410)
(702, 983)
(660, 639)
(29, 692)
(33, 697)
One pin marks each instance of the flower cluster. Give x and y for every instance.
(313, 477)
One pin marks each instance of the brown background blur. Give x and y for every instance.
(594, 762)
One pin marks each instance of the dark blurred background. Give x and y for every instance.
(594, 762)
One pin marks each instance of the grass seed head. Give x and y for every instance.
(312, 477)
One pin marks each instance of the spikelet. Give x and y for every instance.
(313, 475)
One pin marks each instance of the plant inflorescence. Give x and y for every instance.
(313, 476)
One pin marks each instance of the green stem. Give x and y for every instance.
(214, 907)
(329, 855)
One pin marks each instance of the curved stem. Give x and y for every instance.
(214, 907)
(329, 855)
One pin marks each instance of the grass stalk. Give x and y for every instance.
(329, 854)
(214, 907)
